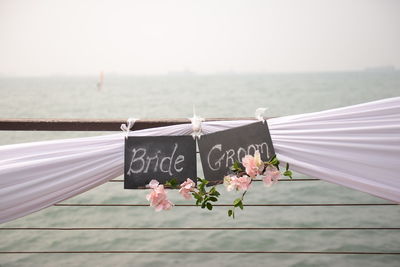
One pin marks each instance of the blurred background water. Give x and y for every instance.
(173, 96)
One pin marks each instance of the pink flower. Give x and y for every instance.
(257, 158)
(238, 183)
(228, 183)
(153, 184)
(186, 188)
(242, 183)
(158, 196)
(253, 165)
(271, 176)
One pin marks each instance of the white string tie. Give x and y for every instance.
(128, 126)
(196, 125)
(259, 114)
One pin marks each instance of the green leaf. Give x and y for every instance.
(209, 206)
(213, 199)
(288, 173)
(287, 166)
(236, 167)
(203, 205)
(230, 213)
(196, 195)
(214, 192)
(241, 205)
(273, 160)
(201, 188)
(237, 202)
(173, 183)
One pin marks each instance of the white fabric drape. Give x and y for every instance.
(356, 146)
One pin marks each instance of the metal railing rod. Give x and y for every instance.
(201, 252)
(91, 124)
(196, 228)
(229, 205)
(255, 180)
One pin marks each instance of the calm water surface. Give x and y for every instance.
(213, 96)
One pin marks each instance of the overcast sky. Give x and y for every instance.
(206, 36)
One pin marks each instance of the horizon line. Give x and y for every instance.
(189, 73)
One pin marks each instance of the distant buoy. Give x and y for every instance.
(100, 83)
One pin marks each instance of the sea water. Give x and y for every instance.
(213, 96)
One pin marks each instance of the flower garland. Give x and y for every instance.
(241, 177)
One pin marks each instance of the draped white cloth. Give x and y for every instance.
(356, 146)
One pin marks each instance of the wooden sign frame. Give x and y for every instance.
(219, 150)
(158, 157)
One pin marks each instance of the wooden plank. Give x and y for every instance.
(91, 124)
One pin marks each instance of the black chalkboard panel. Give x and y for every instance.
(219, 150)
(158, 157)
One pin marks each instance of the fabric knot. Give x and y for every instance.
(128, 126)
(259, 114)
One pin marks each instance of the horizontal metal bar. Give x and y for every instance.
(195, 228)
(91, 124)
(254, 180)
(201, 252)
(230, 205)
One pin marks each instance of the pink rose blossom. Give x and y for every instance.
(242, 183)
(186, 188)
(259, 162)
(271, 176)
(228, 183)
(238, 183)
(153, 184)
(253, 165)
(250, 164)
(158, 196)
(164, 205)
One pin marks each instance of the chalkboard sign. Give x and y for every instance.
(158, 157)
(219, 150)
